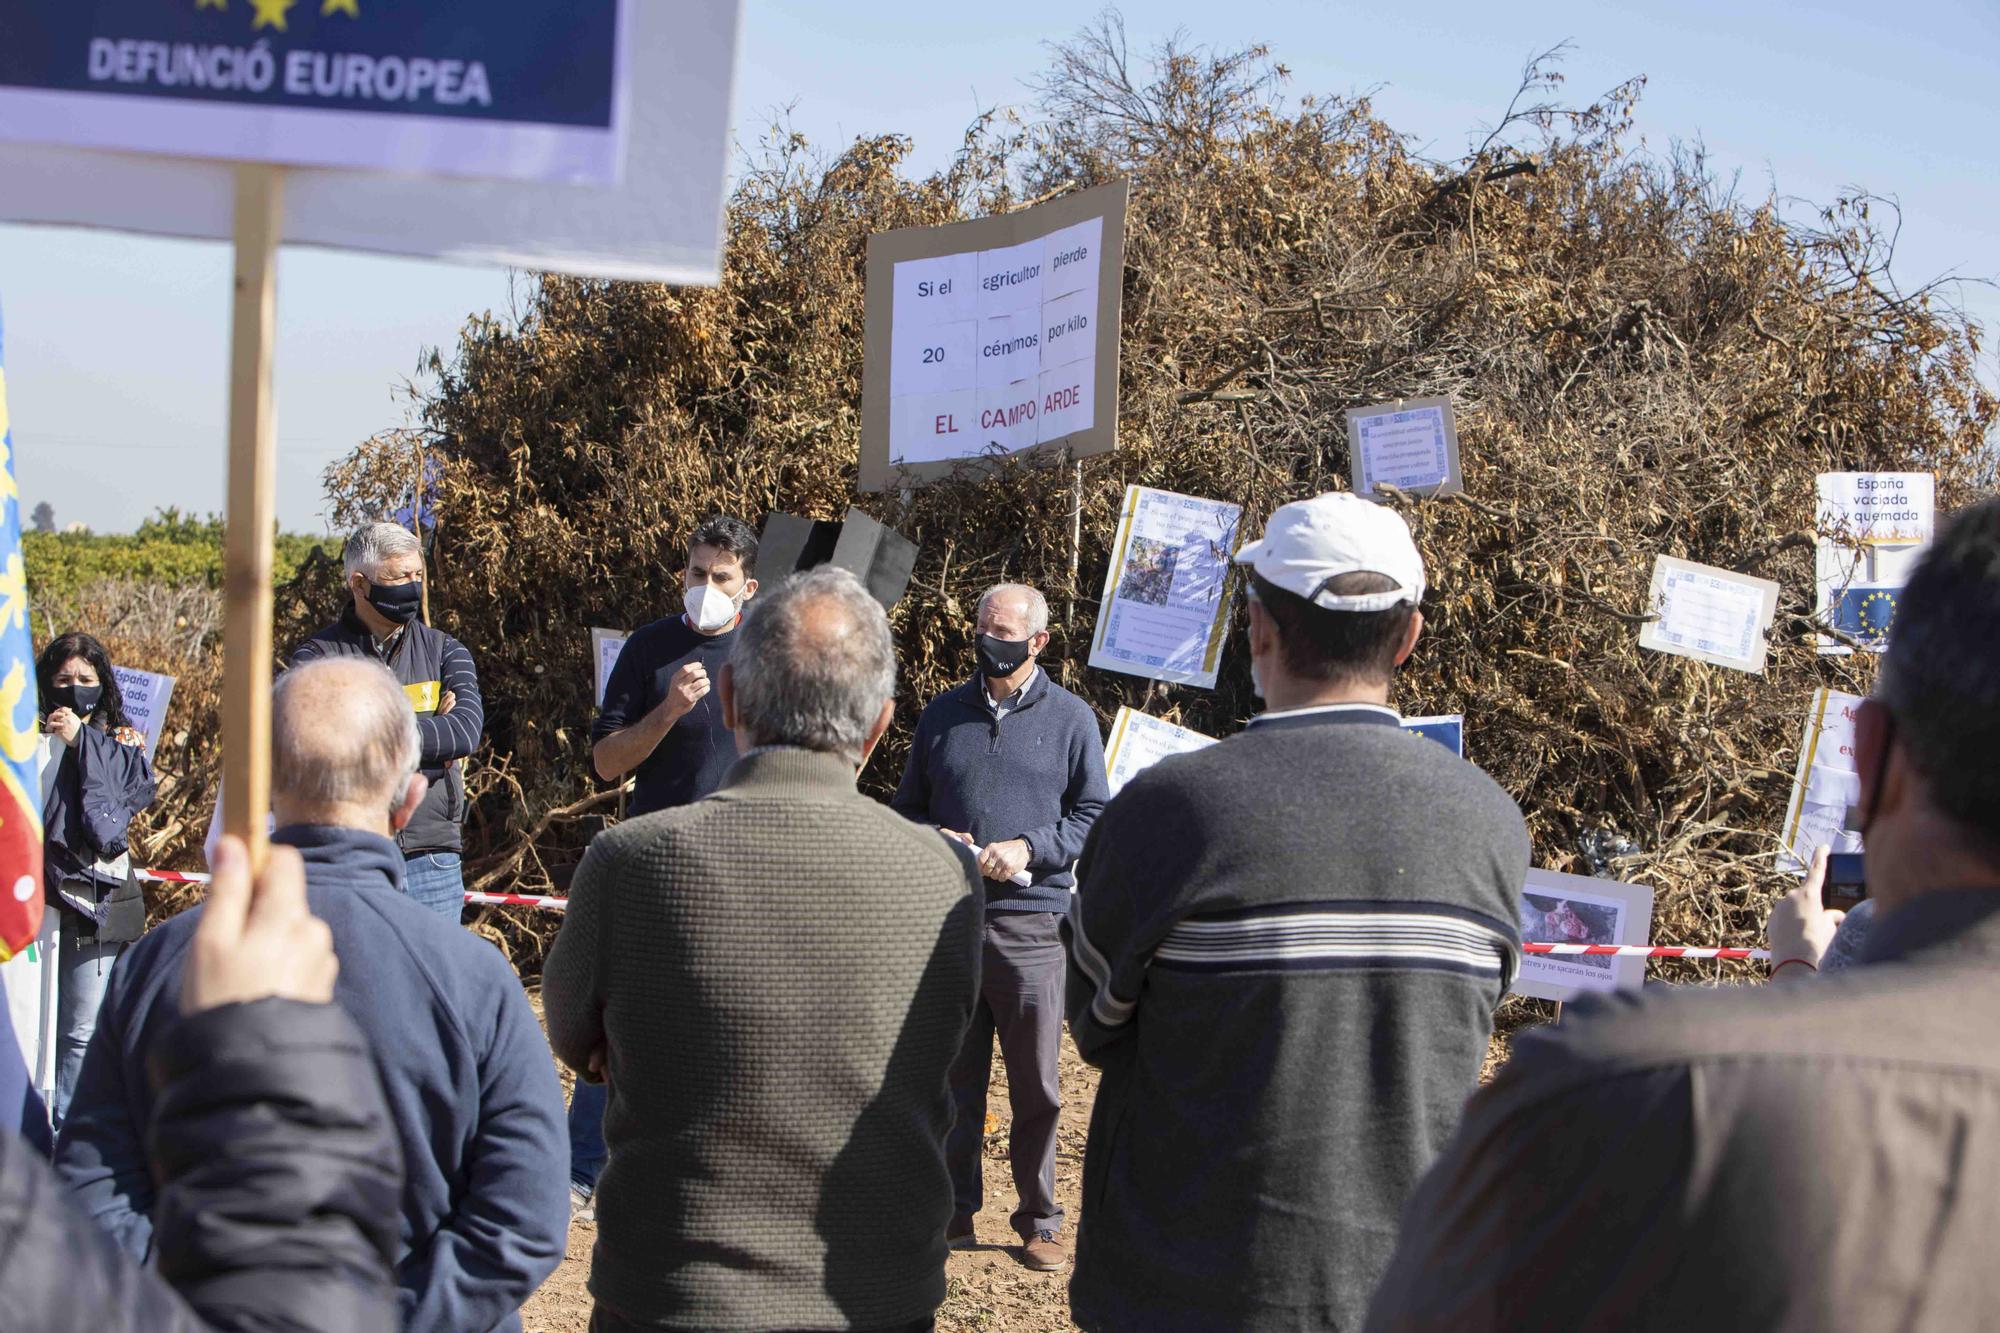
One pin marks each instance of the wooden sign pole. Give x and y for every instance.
(253, 511)
(417, 529)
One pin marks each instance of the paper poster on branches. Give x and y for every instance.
(1872, 527)
(1163, 614)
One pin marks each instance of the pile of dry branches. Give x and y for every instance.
(1642, 364)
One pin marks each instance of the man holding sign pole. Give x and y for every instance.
(1012, 764)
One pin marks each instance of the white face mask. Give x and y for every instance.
(708, 608)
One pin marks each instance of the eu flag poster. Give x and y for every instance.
(1866, 612)
(20, 788)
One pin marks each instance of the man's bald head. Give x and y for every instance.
(343, 743)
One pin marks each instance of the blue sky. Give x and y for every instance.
(116, 345)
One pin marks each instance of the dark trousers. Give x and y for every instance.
(1021, 1001)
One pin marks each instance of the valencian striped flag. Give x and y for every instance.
(20, 811)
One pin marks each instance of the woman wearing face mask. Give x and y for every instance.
(95, 779)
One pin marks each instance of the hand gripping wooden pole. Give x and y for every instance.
(253, 518)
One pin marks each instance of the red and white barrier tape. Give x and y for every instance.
(1642, 951)
(553, 904)
(520, 900)
(543, 901)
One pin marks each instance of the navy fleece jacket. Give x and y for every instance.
(470, 1082)
(1037, 773)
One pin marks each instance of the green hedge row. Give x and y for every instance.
(170, 548)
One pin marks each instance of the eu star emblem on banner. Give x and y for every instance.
(1447, 730)
(1866, 611)
(20, 814)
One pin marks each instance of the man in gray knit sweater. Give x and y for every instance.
(774, 980)
(1286, 953)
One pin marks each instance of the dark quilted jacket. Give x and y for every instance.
(279, 1178)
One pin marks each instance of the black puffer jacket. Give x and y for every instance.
(280, 1177)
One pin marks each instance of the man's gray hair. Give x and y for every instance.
(342, 733)
(1038, 605)
(373, 543)
(814, 664)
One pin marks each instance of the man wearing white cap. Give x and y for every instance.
(1286, 950)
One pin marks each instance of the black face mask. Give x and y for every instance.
(79, 699)
(1000, 657)
(398, 603)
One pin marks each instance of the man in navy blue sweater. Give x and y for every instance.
(470, 1083)
(1012, 764)
(660, 723)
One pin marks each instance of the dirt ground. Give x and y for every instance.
(987, 1289)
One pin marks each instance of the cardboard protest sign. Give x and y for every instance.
(593, 140)
(1826, 785)
(1163, 614)
(1872, 528)
(1447, 729)
(993, 338)
(1411, 445)
(1709, 614)
(1140, 740)
(605, 645)
(146, 698)
(1574, 909)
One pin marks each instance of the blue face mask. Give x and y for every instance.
(398, 603)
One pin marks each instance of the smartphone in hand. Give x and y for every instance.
(1846, 881)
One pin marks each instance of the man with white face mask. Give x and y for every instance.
(660, 720)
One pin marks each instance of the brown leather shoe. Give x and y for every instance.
(1044, 1253)
(958, 1234)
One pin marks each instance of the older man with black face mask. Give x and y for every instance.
(1012, 764)
(383, 620)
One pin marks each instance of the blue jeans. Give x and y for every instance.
(586, 1134)
(435, 880)
(83, 971)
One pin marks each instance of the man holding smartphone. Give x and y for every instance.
(1823, 1157)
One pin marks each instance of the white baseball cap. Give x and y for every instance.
(1308, 543)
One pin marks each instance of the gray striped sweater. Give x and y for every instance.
(1286, 951)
